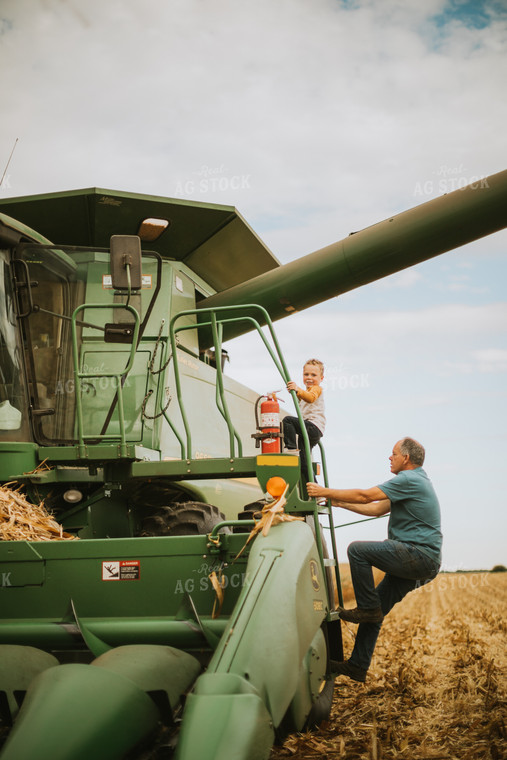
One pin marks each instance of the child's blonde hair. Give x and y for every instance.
(317, 363)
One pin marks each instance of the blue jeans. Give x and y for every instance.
(405, 567)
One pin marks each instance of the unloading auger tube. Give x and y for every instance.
(409, 238)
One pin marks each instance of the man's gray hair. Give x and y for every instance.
(414, 450)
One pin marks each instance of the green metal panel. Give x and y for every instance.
(264, 657)
(95, 453)
(222, 248)
(234, 725)
(101, 390)
(276, 606)
(310, 684)
(187, 633)
(153, 668)
(16, 459)
(196, 468)
(29, 564)
(183, 298)
(120, 580)
(78, 712)
(18, 667)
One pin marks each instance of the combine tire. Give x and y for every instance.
(152, 495)
(248, 513)
(190, 518)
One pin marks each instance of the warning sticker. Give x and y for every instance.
(124, 570)
(107, 281)
(314, 574)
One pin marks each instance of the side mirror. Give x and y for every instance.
(126, 262)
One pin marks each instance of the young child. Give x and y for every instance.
(311, 403)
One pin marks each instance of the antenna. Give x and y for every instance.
(8, 162)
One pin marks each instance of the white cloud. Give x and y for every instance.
(490, 360)
(406, 279)
(318, 104)
(444, 340)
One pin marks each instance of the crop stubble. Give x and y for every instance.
(437, 687)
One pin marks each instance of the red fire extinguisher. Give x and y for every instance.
(269, 424)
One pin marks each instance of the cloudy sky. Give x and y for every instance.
(314, 118)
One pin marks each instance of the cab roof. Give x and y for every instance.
(214, 241)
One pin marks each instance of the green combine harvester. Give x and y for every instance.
(189, 604)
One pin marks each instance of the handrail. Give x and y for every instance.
(119, 376)
(357, 522)
(216, 328)
(331, 525)
(216, 325)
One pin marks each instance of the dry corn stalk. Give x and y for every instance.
(42, 467)
(22, 521)
(218, 584)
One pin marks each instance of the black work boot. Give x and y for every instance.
(347, 668)
(357, 615)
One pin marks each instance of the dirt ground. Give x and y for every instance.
(437, 687)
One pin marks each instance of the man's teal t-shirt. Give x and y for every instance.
(415, 511)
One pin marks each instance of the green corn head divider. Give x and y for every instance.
(162, 631)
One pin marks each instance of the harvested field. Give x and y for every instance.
(437, 687)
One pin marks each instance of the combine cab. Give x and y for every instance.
(191, 607)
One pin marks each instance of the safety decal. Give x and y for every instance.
(314, 575)
(124, 570)
(146, 281)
